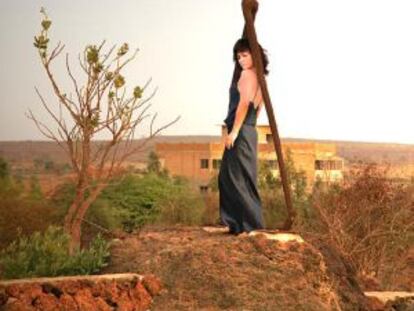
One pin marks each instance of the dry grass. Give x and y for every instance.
(214, 271)
(371, 220)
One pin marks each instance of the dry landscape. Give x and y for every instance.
(198, 269)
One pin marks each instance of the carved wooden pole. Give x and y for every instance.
(250, 8)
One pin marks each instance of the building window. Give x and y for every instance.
(204, 163)
(269, 138)
(328, 165)
(318, 165)
(216, 163)
(203, 188)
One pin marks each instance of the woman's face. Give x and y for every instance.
(245, 60)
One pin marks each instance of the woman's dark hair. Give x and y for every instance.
(242, 45)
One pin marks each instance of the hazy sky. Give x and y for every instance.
(338, 69)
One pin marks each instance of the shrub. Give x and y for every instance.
(136, 198)
(24, 210)
(369, 218)
(46, 254)
(211, 215)
(133, 201)
(272, 195)
(35, 191)
(183, 205)
(4, 169)
(25, 215)
(273, 207)
(213, 182)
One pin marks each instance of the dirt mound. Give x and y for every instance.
(214, 271)
(105, 292)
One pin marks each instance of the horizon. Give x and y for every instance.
(218, 136)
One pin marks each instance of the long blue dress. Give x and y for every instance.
(240, 203)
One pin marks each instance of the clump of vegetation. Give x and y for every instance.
(47, 254)
(47, 165)
(272, 195)
(22, 209)
(152, 198)
(4, 169)
(154, 165)
(183, 206)
(133, 201)
(370, 219)
(128, 203)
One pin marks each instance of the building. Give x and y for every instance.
(201, 161)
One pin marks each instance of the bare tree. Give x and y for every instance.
(101, 104)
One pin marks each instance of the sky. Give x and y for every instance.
(341, 70)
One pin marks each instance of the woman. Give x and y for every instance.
(240, 204)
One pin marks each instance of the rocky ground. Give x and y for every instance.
(89, 293)
(201, 270)
(193, 268)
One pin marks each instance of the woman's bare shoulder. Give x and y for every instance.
(247, 77)
(247, 74)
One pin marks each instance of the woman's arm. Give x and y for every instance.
(224, 135)
(246, 90)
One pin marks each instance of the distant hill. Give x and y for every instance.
(395, 154)
(27, 151)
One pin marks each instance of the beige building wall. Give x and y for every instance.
(187, 159)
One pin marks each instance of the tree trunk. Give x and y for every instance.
(75, 227)
(80, 193)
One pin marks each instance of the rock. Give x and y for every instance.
(142, 298)
(67, 303)
(17, 305)
(85, 300)
(102, 292)
(46, 302)
(152, 284)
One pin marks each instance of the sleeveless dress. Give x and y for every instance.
(240, 203)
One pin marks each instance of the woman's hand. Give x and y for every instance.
(230, 139)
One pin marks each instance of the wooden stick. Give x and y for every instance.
(250, 8)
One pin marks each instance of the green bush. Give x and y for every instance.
(183, 205)
(46, 254)
(133, 201)
(135, 198)
(152, 198)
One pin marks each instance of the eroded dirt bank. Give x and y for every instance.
(104, 292)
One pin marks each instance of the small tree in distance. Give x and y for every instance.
(101, 104)
(154, 164)
(4, 169)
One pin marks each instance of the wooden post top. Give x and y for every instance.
(252, 5)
